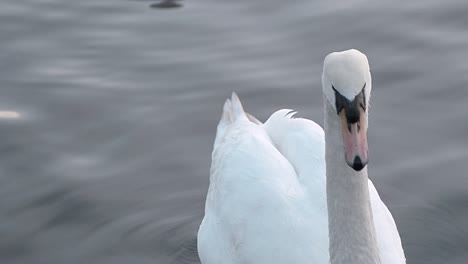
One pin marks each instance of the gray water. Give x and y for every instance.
(117, 102)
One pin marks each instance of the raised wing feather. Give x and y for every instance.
(257, 210)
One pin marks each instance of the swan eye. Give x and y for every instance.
(351, 108)
(340, 100)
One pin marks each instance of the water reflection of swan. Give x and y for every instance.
(288, 191)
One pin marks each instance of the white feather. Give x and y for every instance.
(267, 200)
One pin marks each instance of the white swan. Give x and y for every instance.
(286, 192)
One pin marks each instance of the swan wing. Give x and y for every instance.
(257, 209)
(388, 238)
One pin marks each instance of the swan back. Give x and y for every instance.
(302, 143)
(257, 210)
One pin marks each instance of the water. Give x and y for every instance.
(105, 153)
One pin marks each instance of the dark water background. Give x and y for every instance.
(118, 102)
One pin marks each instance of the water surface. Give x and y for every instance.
(107, 157)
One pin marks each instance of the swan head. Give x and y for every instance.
(346, 83)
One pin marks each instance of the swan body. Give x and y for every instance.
(267, 199)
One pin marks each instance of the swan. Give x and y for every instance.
(288, 191)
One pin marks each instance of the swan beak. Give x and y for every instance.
(355, 140)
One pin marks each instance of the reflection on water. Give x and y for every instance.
(9, 115)
(110, 110)
(167, 4)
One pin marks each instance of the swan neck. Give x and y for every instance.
(350, 222)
